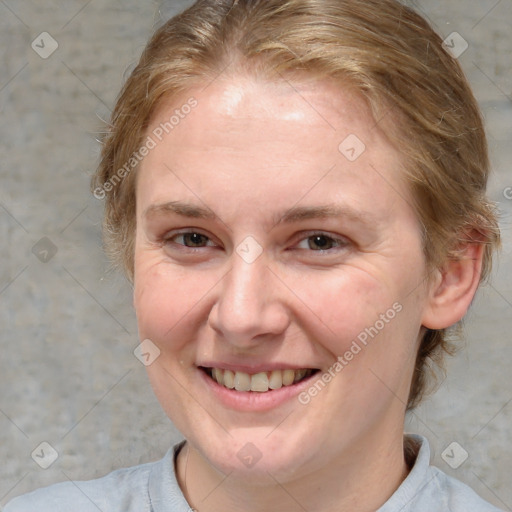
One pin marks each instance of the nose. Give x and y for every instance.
(251, 306)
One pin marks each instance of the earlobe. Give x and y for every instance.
(454, 287)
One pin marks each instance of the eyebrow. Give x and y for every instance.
(299, 213)
(180, 208)
(294, 214)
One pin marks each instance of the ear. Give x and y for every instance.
(454, 287)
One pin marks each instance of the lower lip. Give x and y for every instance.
(251, 401)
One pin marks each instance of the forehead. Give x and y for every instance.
(322, 104)
(273, 138)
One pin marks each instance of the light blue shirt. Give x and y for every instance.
(153, 487)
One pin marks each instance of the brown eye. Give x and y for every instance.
(191, 239)
(195, 239)
(320, 242)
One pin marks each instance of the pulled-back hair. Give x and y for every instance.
(417, 93)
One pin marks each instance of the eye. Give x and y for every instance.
(321, 242)
(190, 239)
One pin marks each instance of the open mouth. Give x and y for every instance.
(259, 382)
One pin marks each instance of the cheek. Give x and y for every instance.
(168, 302)
(370, 320)
(339, 306)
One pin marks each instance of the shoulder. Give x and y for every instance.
(428, 489)
(124, 490)
(457, 496)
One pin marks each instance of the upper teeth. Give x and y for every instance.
(261, 382)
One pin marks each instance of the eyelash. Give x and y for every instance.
(341, 242)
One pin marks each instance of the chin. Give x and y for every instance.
(253, 455)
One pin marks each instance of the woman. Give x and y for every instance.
(297, 191)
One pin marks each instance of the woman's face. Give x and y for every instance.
(277, 242)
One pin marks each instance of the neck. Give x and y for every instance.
(359, 481)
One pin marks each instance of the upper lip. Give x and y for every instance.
(254, 368)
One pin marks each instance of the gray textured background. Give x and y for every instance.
(68, 374)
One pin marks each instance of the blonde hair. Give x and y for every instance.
(417, 92)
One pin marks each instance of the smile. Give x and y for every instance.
(260, 382)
